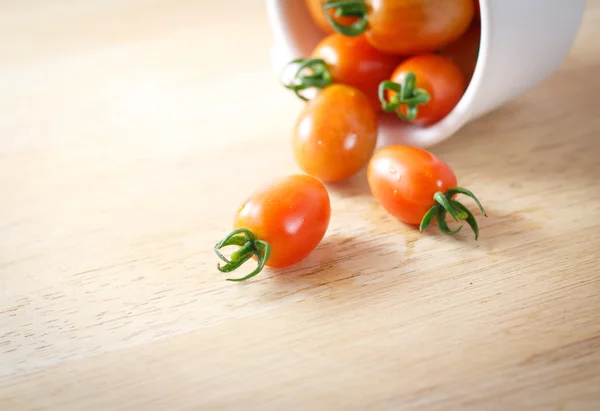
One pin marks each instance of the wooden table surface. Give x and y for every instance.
(131, 130)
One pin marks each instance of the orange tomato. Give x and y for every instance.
(315, 7)
(335, 134)
(279, 224)
(404, 180)
(415, 186)
(465, 51)
(406, 26)
(442, 81)
(354, 62)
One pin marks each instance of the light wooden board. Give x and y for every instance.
(129, 133)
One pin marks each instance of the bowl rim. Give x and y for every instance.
(391, 130)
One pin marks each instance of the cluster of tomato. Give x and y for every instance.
(409, 58)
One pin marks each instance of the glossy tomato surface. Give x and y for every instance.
(335, 134)
(315, 7)
(441, 78)
(416, 26)
(290, 213)
(354, 62)
(404, 180)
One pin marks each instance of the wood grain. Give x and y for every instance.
(130, 132)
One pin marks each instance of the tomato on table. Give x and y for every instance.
(315, 7)
(335, 134)
(417, 187)
(279, 224)
(464, 52)
(423, 89)
(404, 26)
(345, 60)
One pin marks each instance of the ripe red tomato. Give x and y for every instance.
(346, 60)
(354, 62)
(415, 186)
(465, 51)
(476, 10)
(433, 76)
(405, 26)
(335, 134)
(280, 224)
(315, 7)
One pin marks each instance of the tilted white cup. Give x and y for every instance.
(523, 42)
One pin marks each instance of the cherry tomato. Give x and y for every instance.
(476, 11)
(465, 51)
(315, 7)
(280, 224)
(335, 134)
(416, 187)
(433, 81)
(405, 26)
(351, 61)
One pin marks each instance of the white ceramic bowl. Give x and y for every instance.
(522, 43)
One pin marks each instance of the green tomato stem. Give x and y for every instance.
(249, 247)
(459, 190)
(428, 218)
(441, 219)
(441, 199)
(394, 102)
(407, 95)
(470, 217)
(347, 9)
(445, 203)
(310, 73)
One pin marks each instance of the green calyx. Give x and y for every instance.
(310, 73)
(407, 95)
(356, 9)
(444, 203)
(249, 246)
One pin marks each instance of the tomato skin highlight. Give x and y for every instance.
(290, 213)
(335, 134)
(354, 62)
(441, 78)
(416, 26)
(404, 180)
(318, 15)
